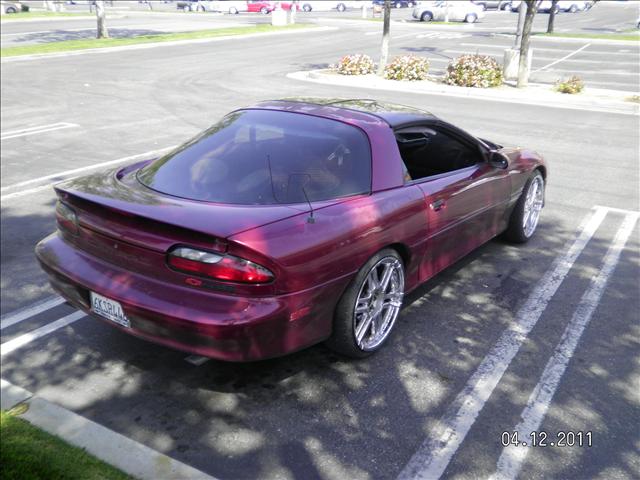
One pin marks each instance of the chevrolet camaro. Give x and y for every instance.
(286, 224)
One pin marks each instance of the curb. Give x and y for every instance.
(56, 19)
(113, 448)
(535, 96)
(142, 46)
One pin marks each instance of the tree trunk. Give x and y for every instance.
(523, 67)
(100, 15)
(384, 50)
(521, 13)
(552, 15)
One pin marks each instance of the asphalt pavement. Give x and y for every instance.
(315, 414)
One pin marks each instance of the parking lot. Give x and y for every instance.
(477, 350)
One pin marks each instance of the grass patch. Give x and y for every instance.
(69, 45)
(604, 36)
(25, 15)
(30, 453)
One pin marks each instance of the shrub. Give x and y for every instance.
(571, 86)
(355, 65)
(479, 71)
(407, 67)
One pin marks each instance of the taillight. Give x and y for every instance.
(66, 217)
(220, 267)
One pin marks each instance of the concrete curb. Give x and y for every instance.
(142, 46)
(128, 455)
(609, 101)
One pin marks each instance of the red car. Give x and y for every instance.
(286, 224)
(267, 7)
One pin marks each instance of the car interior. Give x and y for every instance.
(427, 152)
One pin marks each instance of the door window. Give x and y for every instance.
(427, 152)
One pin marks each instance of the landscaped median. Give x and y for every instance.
(28, 452)
(534, 94)
(74, 45)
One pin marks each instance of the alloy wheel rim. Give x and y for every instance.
(532, 206)
(378, 303)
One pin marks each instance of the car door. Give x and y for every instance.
(464, 195)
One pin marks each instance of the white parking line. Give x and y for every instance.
(512, 457)
(563, 58)
(68, 174)
(31, 311)
(434, 455)
(22, 340)
(36, 130)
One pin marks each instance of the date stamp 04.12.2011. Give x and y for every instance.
(544, 439)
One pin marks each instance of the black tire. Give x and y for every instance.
(573, 9)
(482, 5)
(233, 11)
(342, 338)
(471, 18)
(306, 7)
(398, 5)
(264, 11)
(341, 7)
(426, 17)
(515, 231)
(11, 10)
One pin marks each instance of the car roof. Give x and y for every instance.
(392, 114)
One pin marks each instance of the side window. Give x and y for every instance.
(427, 152)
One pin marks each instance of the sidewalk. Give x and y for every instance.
(612, 101)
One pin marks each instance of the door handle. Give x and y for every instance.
(438, 205)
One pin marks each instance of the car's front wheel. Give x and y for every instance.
(306, 7)
(341, 7)
(264, 10)
(233, 11)
(471, 18)
(369, 308)
(526, 213)
(426, 17)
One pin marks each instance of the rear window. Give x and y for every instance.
(266, 157)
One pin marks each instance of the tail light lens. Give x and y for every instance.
(66, 217)
(227, 268)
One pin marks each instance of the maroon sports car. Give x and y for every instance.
(286, 224)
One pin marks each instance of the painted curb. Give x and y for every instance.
(539, 97)
(124, 453)
(142, 46)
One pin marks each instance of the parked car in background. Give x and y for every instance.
(545, 6)
(397, 3)
(497, 4)
(265, 7)
(196, 5)
(329, 5)
(13, 7)
(286, 224)
(231, 6)
(440, 11)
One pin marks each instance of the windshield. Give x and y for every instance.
(266, 157)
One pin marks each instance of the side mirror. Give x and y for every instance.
(498, 159)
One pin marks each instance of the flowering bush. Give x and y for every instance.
(571, 86)
(479, 71)
(407, 67)
(355, 65)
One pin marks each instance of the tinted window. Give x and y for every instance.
(427, 152)
(266, 157)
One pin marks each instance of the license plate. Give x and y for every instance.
(110, 309)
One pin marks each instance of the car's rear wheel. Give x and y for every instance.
(369, 308)
(264, 10)
(573, 9)
(526, 213)
(426, 17)
(306, 7)
(233, 11)
(471, 18)
(11, 10)
(398, 5)
(341, 7)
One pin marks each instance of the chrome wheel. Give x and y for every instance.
(378, 303)
(533, 205)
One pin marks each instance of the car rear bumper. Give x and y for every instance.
(211, 324)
